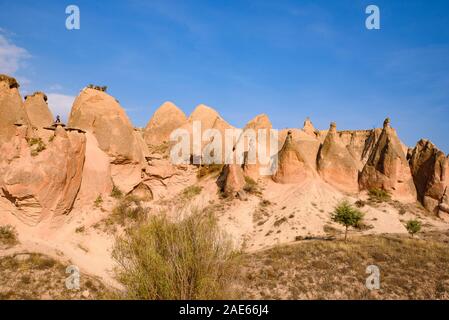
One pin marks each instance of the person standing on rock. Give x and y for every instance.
(58, 119)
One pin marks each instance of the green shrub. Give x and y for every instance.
(36, 145)
(347, 216)
(191, 192)
(129, 209)
(99, 201)
(116, 192)
(379, 195)
(189, 259)
(413, 227)
(8, 235)
(251, 186)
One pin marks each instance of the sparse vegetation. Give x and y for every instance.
(347, 216)
(8, 236)
(116, 192)
(379, 195)
(360, 203)
(36, 145)
(98, 201)
(188, 259)
(129, 210)
(99, 88)
(318, 269)
(12, 82)
(191, 192)
(32, 276)
(207, 170)
(251, 186)
(413, 227)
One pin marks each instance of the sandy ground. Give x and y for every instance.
(280, 215)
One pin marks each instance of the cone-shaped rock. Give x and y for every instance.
(309, 128)
(99, 113)
(231, 180)
(430, 170)
(387, 167)
(291, 166)
(11, 108)
(252, 162)
(166, 119)
(335, 163)
(38, 113)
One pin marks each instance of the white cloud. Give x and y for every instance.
(11, 56)
(60, 104)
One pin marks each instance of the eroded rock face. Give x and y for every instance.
(335, 163)
(96, 176)
(231, 180)
(208, 118)
(291, 167)
(387, 167)
(97, 112)
(430, 170)
(252, 168)
(43, 184)
(11, 109)
(166, 119)
(309, 128)
(39, 114)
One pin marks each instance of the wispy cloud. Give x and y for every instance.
(12, 57)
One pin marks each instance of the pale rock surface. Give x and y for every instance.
(387, 167)
(291, 166)
(430, 170)
(335, 163)
(163, 122)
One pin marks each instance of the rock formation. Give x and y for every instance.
(253, 168)
(387, 167)
(97, 112)
(335, 163)
(291, 166)
(430, 170)
(39, 114)
(100, 114)
(231, 180)
(309, 128)
(11, 109)
(166, 119)
(41, 183)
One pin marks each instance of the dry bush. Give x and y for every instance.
(166, 260)
(379, 195)
(251, 186)
(191, 192)
(207, 170)
(8, 236)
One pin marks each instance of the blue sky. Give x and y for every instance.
(289, 59)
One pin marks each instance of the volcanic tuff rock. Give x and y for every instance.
(251, 149)
(430, 170)
(11, 109)
(44, 183)
(166, 119)
(209, 119)
(97, 112)
(231, 180)
(335, 163)
(387, 167)
(309, 128)
(38, 113)
(291, 166)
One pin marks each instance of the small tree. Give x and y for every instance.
(413, 226)
(347, 216)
